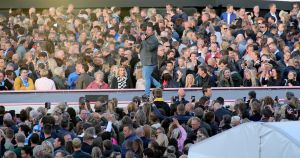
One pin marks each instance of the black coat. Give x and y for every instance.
(86, 148)
(6, 86)
(81, 154)
(269, 15)
(163, 105)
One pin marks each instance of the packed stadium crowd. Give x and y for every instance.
(60, 48)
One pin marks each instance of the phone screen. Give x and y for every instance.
(48, 105)
(193, 98)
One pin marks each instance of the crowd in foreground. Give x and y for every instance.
(60, 48)
(146, 128)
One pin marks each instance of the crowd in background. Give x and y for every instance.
(60, 48)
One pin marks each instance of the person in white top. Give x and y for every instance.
(44, 83)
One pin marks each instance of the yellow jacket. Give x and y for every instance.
(18, 85)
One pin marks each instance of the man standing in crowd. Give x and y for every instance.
(229, 16)
(272, 13)
(149, 57)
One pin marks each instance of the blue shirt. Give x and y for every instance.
(71, 80)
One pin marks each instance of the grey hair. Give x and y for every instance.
(35, 114)
(10, 154)
(62, 106)
(38, 151)
(42, 110)
(99, 73)
(58, 71)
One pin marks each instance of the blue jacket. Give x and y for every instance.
(71, 80)
(224, 17)
(131, 137)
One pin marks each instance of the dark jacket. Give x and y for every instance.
(81, 154)
(131, 137)
(226, 83)
(269, 15)
(149, 51)
(59, 82)
(204, 82)
(160, 104)
(86, 148)
(107, 153)
(220, 113)
(6, 85)
(83, 81)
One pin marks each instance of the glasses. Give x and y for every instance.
(262, 27)
(225, 28)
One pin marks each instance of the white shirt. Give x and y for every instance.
(228, 18)
(274, 15)
(44, 84)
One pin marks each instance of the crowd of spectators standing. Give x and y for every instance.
(60, 48)
(145, 128)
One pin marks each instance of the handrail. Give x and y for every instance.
(137, 90)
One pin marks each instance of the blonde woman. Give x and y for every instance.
(291, 79)
(189, 81)
(249, 79)
(140, 82)
(122, 80)
(59, 78)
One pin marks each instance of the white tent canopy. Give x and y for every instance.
(252, 140)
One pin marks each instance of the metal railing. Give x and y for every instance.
(233, 93)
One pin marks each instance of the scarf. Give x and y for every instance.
(122, 82)
(25, 82)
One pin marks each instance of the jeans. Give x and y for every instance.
(147, 75)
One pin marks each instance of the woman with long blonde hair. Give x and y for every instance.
(249, 79)
(189, 81)
(122, 80)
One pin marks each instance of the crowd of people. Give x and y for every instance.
(145, 128)
(60, 48)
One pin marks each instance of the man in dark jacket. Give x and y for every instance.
(203, 79)
(87, 143)
(272, 12)
(149, 47)
(159, 101)
(220, 110)
(84, 79)
(77, 149)
(4, 83)
(129, 136)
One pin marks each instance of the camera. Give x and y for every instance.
(175, 99)
(48, 105)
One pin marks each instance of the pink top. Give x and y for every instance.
(95, 85)
(182, 138)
